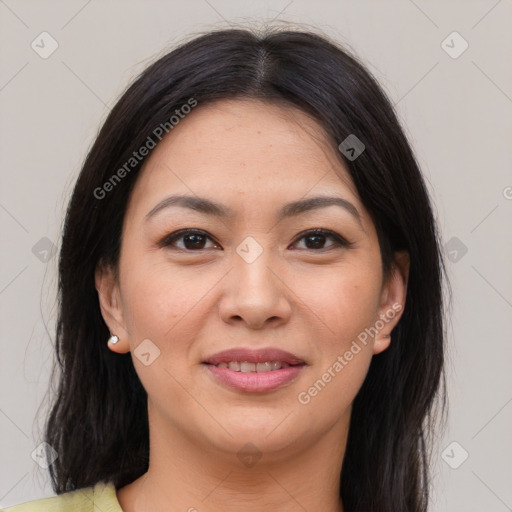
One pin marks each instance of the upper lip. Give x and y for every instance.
(254, 356)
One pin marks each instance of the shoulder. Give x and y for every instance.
(101, 496)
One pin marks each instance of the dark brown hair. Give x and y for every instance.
(98, 422)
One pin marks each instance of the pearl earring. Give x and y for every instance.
(113, 339)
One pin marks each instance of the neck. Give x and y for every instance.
(185, 475)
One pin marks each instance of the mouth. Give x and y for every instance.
(254, 371)
(248, 367)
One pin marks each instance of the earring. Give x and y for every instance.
(113, 339)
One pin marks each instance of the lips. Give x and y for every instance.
(241, 355)
(254, 371)
(247, 367)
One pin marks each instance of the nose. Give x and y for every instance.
(254, 294)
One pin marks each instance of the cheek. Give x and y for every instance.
(160, 300)
(159, 305)
(345, 304)
(154, 303)
(354, 306)
(345, 300)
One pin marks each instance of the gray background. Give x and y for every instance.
(456, 111)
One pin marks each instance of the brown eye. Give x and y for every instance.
(193, 240)
(316, 239)
(187, 239)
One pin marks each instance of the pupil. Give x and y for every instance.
(319, 241)
(196, 240)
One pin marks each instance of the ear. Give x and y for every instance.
(392, 303)
(111, 307)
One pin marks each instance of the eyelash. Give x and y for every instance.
(168, 240)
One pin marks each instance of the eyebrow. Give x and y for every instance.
(209, 207)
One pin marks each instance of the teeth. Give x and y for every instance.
(246, 367)
(264, 367)
(275, 365)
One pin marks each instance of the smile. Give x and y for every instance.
(254, 371)
(247, 367)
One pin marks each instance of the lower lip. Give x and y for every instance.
(254, 382)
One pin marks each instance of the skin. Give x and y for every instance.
(311, 300)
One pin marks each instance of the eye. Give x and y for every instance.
(193, 239)
(196, 240)
(316, 238)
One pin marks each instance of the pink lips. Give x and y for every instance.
(255, 382)
(254, 356)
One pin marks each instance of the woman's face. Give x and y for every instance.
(252, 278)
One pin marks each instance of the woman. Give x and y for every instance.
(251, 306)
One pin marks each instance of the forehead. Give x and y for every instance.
(244, 149)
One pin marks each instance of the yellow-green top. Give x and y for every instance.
(98, 498)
